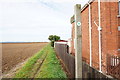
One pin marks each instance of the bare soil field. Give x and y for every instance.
(14, 53)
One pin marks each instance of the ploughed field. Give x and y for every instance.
(14, 53)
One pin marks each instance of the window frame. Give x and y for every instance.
(118, 28)
(118, 9)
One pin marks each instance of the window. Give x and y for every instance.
(118, 28)
(119, 7)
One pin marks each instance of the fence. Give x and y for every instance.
(113, 66)
(87, 71)
(93, 74)
(69, 60)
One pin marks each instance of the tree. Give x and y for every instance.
(53, 38)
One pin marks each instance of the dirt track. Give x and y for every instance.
(14, 53)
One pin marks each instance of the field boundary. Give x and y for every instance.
(41, 65)
(12, 72)
(20, 52)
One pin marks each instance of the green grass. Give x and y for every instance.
(50, 68)
(27, 69)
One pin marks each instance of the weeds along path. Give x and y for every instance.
(39, 64)
(42, 65)
(29, 70)
(51, 67)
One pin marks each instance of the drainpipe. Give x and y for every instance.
(99, 30)
(90, 36)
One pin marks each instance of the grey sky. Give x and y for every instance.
(35, 20)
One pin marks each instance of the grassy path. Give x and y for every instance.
(43, 64)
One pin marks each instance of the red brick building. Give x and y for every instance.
(110, 31)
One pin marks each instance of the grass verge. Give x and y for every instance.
(28, 69)
(50, 68)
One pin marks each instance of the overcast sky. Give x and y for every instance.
(35, 20)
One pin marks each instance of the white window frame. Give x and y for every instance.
(118, 28)
(118, 9)
(119, 6)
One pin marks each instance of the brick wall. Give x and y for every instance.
(73, 37)
(110, 30)
(85, 35)
(109, 34)
(119, 36)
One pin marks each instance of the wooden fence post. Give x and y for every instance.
(78, 41)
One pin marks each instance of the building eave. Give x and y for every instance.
(83, 8)
(86, 5)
